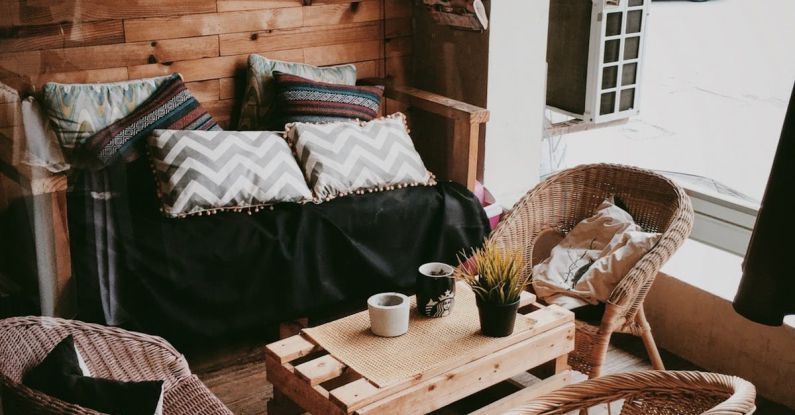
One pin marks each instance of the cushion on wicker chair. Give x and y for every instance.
(591, 260)
(61, 375)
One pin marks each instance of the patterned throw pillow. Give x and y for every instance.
(170, 107)
(353, 157)
(258, 99)
(204, 172)
(79, 110)
(303, 100)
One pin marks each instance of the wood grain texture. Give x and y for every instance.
(207, 41)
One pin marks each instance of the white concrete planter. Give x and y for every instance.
(389, 314)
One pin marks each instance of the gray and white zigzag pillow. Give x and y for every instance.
(352, 157)
(203, 172)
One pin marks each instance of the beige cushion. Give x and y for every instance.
(593, 258)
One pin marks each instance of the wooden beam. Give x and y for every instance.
(438, 104)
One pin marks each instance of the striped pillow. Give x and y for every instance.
(171, 106)
(304, 100)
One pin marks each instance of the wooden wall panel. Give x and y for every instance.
(207, 41)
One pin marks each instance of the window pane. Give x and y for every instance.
(627, 99)
(608, 103)
(611, 50)
(631, 47)
(634, 18)
(628, 73)
(633, 3)
(609, 77)
(613, 25)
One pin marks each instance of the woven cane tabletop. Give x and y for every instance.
(431, 344)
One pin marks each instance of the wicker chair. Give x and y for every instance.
(109, 352)
(563, 200)
(651, 392)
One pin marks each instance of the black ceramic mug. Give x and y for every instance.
(435, 289)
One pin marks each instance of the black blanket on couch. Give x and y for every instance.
(229, 273)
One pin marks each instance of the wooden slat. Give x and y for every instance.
(237, 43)
(110, 56)
(440, 105)
(105, 32)
(352, 12)
(193, 70)
(349, 52)
(228, 88)
(289, 349)
(370, 69)
(234, 5)
(525, 395)
(211, 23)
(468, 379)
(547, 320)
(311, 398)
(209, 90)
(319, 370)
(42, 12)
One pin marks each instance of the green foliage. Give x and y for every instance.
(494, 274)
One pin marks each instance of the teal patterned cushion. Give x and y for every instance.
(77, 111)
(260, 95)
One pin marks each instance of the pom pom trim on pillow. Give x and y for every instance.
(328, 183)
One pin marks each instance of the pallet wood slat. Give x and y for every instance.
(192, 25)
(320, 370)
(237, 43)
(204, 91)
(42, 12)
(353, 12)
(550, 339)
(339, 54)
(289, 349)
(109, 56)
(240, 5)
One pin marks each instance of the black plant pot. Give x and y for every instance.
(497, 320)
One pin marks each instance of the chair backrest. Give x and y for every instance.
(109, 352)
(655, 202)
(651, 392)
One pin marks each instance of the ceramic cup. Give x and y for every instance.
(389, 314)
(435, 289)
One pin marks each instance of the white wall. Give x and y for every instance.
(516, 96)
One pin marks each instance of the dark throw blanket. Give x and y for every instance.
(231, 273)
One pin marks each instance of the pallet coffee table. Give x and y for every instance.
(305, 377)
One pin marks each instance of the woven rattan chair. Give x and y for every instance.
(650, 392)
(109, 353)
(563, 200)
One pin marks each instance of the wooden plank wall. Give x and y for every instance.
(207, 41)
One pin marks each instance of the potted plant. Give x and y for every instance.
(496, 277)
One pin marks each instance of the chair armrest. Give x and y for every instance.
(463, 159)
(438, 104)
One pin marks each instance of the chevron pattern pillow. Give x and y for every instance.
(205, 172)
(357, 157)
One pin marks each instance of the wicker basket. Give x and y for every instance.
(563, 200)
(650, 393)
(109, 353)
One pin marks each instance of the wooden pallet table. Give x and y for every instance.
(307, 378)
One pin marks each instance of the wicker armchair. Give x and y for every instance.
(109, 352)
(563, 200)
(651, 392)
